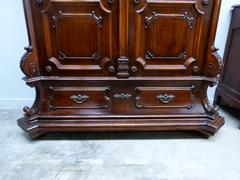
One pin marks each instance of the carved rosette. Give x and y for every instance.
(39, 1)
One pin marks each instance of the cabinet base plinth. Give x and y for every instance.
(205, 126)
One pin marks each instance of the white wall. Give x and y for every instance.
(13, 37)
(222, 31)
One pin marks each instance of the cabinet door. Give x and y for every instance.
(169, 36)
(79, 37)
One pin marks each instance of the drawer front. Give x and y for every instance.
(120, 98)
(164, 97)
(78, 98)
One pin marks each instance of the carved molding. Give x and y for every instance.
(92, 15)
(123, 67)
(97, 19)
(182, 56)
(104, 63)
(148, 19)
(106, 6)
(95, 56)
(187, 65)
(73, 67)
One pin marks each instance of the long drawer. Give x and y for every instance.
(121, 99)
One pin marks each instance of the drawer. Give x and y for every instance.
(78, 98)
(165, 97)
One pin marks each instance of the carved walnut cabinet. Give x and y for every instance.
(121, 65)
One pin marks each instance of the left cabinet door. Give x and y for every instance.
(76, 37)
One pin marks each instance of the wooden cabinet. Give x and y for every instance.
(228, 90)
(121, 65)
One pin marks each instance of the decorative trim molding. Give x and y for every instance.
(92, 15)
(97, 19)
(148, 19)
(182, 56)
(95, 56)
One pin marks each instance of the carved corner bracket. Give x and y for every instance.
(27, 63)
(211, 109)
(215, 63)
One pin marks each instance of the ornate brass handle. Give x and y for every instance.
(122, 96)
(165, 98)
(79, 99)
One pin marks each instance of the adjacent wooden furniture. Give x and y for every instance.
(121, 65)
(228, 90)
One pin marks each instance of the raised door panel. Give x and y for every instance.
(168, 36)
(79, 37)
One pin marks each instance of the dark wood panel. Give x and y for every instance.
(164, 38)
(228, 90)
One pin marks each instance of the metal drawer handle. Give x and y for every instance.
(79, 99)
(122, 96)
(165, 98)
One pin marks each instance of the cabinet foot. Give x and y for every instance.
(32, 129)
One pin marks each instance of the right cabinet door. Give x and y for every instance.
(169, 37)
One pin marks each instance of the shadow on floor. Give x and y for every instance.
(232, 111)
(120, 135)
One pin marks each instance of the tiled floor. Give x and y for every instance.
(134, 156)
